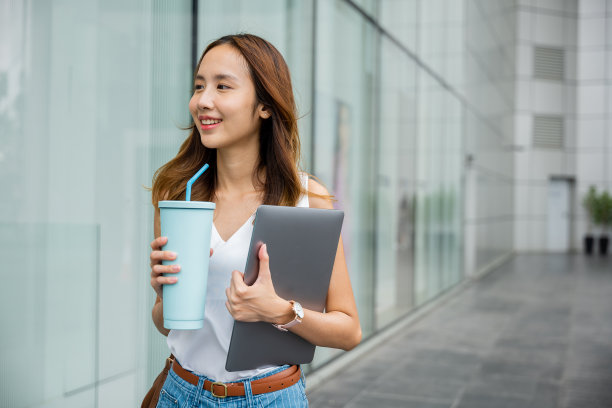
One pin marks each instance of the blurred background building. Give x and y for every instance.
(454, 133)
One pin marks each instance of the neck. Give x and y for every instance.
(236, 166)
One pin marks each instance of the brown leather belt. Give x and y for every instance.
(275, 382)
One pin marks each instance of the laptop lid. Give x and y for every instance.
(302, 244)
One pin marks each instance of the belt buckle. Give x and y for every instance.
(212, 389)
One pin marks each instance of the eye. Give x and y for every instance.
(223, 87)
(198, 87)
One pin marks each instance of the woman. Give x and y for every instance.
(244, 127)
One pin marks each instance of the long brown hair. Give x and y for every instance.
(279, 151)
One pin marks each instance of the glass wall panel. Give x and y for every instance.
(170, 76)
(427, 207)
(50, 319)
(439, 198)
(95, 92)
(400, 18)
(344, 136)
(370, 7)
(432, 33)
(396, 184)
(453, 193)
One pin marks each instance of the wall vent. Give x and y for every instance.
(548, 63)
(548, 131)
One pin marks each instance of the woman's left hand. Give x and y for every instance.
(258, 302)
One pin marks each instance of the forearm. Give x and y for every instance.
(333, 329)
(158, 318)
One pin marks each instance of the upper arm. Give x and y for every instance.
(340, 294)
(318, 202)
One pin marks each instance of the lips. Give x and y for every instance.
(208, 122)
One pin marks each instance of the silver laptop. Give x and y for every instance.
(302, 244)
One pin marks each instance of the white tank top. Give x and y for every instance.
(204, 351)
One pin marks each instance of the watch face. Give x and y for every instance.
(298, 310)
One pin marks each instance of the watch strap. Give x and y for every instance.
(286, 326)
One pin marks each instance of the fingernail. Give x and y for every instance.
(173, 254)
(176, 268)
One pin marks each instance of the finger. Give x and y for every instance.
(237, 284)
(211, 251)
(162, 280)
(159, 269)
(159, 242)
(264, 262)
(238, 277)
(230, 292)
(163, 256)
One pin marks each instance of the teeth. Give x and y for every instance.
(210, 121)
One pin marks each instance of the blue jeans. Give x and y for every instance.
(178, 393)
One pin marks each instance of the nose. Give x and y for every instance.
(205, 99)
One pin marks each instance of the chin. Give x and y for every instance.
(208, 142)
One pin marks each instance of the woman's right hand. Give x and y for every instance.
(157, 269)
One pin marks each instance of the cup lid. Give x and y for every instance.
(186, 204)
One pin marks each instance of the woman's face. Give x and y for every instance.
(224, 106)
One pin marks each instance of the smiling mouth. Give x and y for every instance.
(208, 124)
(210, 121)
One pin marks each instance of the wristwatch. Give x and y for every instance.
(299, 315)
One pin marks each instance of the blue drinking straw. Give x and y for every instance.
(192, 180)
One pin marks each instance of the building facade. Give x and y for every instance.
(562, 121)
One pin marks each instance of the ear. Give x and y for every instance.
(264, 112)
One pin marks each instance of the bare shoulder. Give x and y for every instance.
(318, 190)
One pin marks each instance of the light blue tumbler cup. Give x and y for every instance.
(188, 225)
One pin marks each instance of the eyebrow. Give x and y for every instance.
(219, 77)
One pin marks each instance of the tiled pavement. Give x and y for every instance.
(536, 332)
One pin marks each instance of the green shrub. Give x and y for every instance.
(603, 209)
